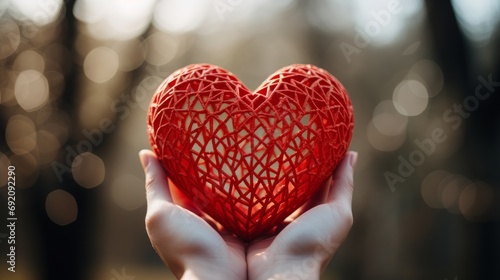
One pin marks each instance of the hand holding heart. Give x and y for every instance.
(193, 249)
(190, 247)
(238, 163)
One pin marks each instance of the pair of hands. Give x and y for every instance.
(193, 249)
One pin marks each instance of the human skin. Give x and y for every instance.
(194, 247)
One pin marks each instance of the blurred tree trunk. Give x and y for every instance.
(66, 251)
(480, 149)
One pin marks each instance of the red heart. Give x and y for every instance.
(247, 159)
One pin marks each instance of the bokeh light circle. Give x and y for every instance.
(10, 37)
(61, 207)
(31, 90)
(387, 120)
(428, 73)
(410, 98)
(101, 64)
(88, 170)
(180, 16)
(20, 134)
(382, 142)
(161, 47)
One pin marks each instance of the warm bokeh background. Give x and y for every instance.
(76, 79)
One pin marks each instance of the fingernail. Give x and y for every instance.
(353, 159)
(144, 159)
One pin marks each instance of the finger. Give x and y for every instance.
(160, 189)
(320, 197)
(156, 180)
(342, 188)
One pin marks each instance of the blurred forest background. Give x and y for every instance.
(76, 78)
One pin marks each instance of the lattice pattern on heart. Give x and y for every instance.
(250, 159)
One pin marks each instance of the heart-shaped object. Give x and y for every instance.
(250, 159)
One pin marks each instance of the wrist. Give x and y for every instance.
(210, 270)
(303, 269)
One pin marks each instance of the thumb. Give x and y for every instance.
(156, 179)
(342, 188)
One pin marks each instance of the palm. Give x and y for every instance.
(183, 240)
(193, 248)
(305, 246)
(191, 234)
(316, 233)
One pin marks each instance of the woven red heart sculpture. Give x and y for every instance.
(249, 159)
